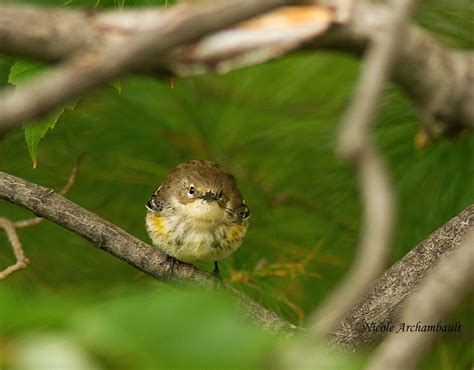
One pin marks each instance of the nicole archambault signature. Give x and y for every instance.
(404, 327)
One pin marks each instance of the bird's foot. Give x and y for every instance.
(216, 276)
(173, 263)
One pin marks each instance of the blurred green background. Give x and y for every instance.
(273, 126)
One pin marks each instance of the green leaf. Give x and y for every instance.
(72, 104)
(6, 64)
(21, 72)
(35, 131)
(117, 85)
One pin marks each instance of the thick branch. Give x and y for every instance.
(438, 79)
(438, 295)
(46, 203)
(386, 295)
(94, 67)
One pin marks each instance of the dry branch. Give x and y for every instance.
(438, 79)
(21, 259)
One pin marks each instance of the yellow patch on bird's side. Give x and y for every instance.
(237, 231)
(158, 223)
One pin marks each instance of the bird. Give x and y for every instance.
(197, 214)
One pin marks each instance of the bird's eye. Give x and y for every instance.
(191, 191)
(221, 193)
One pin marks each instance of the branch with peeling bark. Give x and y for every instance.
(438, 79)
(90, 68)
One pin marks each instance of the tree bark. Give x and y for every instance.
(439, 80)
(386, 296)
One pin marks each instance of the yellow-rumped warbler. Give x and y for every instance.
(197, 214)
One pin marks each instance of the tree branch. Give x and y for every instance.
(47, 204)
(10, 227)
(65, 190)
(356, 145)
(438, 79)
(438, 295)
(21, 260)
(386, 296)
(94, 67)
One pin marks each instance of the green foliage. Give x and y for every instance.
(454, 20)
(20, 73)
(204, 319)
(274, 127)
(117, 85)
(188, 330)
(5, 66)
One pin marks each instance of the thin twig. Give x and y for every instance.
(71, 180)
(377, 196)
(65, 190)
(10, 227)
(440, 293)
(21, 260)
(28, 222)
(360, 116)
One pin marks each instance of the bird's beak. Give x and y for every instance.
(150, 206)
(209, 197)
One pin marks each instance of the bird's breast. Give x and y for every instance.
(203, 213)
(196, 232)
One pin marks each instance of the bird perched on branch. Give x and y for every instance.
(197, 214)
